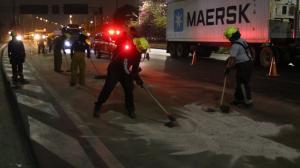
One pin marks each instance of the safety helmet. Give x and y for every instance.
(229, 31)
(141, 44)
(13, 33)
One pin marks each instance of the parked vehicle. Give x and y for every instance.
(269, 26)
(104, 41)
(72, 32)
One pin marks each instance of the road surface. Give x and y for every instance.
(64, 133)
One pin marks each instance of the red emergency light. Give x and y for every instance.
(114, 32)
(111, 32)
(127, 47)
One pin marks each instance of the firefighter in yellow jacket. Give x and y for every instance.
(78, 60)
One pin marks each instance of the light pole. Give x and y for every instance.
(297, 19)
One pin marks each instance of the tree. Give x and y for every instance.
(152, 18)
(126, 14)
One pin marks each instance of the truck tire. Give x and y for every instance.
(265, 57)
(172, 50)
(182, 50)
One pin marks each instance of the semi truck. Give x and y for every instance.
(271, 27)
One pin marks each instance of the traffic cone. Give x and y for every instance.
(273, 68)
(194, 59)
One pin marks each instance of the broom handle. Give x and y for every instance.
(94, 66)
(157, 102)
(223, 91)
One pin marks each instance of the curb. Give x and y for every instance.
(21, 120)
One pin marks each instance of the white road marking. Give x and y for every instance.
(64, 146)
(110, 160)
(228, 134)
(26, 76)
(33, 88)
(24, 70)
(37, 104)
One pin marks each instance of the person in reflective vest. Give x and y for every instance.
(140, 43)
(125, 57)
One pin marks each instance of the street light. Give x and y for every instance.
(70, 16)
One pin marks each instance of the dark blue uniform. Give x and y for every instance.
(118, 71)
(16, 54)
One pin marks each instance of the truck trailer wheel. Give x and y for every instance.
(265, 57)
(182, 50)
(172, 50)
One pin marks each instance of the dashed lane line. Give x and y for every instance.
(62, 145)
(24, 70)
(26, 76)
(37, 104)
(33, 88)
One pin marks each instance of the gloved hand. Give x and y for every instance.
(139, 82)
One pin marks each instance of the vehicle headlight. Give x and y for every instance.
(43, 36)
(67, 43)
(37, 37)
(19, 37)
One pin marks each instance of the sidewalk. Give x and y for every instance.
(13, 142)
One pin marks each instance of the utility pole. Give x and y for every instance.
(296, 20)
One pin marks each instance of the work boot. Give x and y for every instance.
(97, 109)
(248, 104)
(132, 114)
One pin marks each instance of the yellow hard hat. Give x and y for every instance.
(229, 31)
(13, 33)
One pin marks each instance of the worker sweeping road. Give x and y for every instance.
(125, 57)
(78, 60)
(240, 59)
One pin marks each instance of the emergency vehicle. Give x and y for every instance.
(104, 41)
(72, 32)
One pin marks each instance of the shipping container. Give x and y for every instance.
(269, 26)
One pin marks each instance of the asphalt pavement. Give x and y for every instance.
(64, 133)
